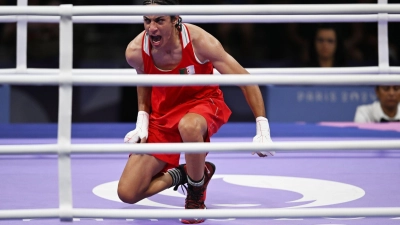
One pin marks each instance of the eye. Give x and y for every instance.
(146, 20)
(385, 88)
(330, 41)
(159, 21)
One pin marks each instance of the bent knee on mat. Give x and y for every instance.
(128, 196)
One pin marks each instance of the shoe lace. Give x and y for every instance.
(183, 180)
(182, 187)
(193, 197)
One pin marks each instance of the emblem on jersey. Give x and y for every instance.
(187, 70)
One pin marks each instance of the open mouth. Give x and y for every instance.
(155, 39)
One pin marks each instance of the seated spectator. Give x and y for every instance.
(326, 49)
(387, 109)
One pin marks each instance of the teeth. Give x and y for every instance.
(156, 38)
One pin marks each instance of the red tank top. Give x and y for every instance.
(164, 99)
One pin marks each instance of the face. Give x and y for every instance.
(389, 96)
(160, 29)
(325, 43)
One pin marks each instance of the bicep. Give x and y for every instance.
(226, 64)
(133, 54)
(134, 60)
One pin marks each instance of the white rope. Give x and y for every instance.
(29, 213)
(212, 19)
(306, 71)
(29, 149)
(260, 71)
(357, 145)
(262, 9)
(321, 70)
(209, 213)
(173, 80)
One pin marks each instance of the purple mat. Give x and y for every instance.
(300, 180)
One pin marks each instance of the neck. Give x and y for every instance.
(173, 43)
(390, 112)
(325, 62)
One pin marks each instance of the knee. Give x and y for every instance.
(127, 196)
(191, 127)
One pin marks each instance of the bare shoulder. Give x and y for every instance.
(133, 52)
(200, 36)
(208, 48)
(203, 42)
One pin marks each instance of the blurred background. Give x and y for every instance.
(253, 45)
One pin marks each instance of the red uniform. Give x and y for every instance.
(170, 104)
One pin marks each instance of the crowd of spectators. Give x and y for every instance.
(254, 45)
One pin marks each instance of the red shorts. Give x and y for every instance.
(164, 129)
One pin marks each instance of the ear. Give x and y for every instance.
(175, 19)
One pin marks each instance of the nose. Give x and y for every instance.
(152, 27)
(391, 91)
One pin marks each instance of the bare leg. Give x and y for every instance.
(142, 178)
(193, 128)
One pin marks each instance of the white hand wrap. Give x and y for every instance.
(263, 134)
(141, 130)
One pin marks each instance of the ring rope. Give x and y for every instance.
(331, 18)
(260, 9)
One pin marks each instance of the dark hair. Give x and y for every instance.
(178, 24)
(339, 57)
